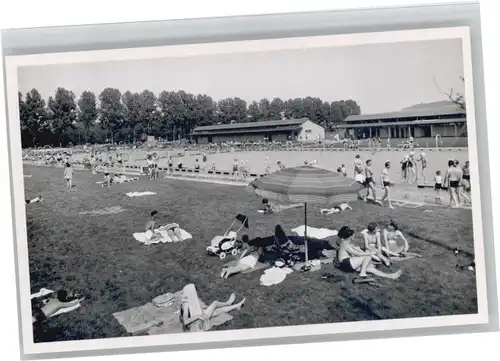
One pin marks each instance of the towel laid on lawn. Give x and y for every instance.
(45, 292)
(140, 194)
(155, 320)
(318, 233)
(141, 236)
(274, 276)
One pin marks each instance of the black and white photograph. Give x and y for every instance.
(296, 186)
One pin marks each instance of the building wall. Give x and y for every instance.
(311, 131)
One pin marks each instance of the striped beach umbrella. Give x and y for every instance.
(307, 184)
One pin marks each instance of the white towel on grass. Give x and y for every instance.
(44, 292)
(274, 276)
(27, 176)
(141, 236)
(140, 194)
(318, 233)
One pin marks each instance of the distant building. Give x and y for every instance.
(272, 130)
(420, 121)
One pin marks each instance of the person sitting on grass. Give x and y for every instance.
(151, 234)
(197, 319)
(335, 209)
(372, 243)
(53, 304)
(351, 259)
(34, 200)
(391, 236)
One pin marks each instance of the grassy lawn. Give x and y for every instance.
(98, 254)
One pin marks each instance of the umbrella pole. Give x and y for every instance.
(305, 233)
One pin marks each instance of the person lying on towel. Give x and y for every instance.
(270, 208)
(34, 200)
(351, 259)
(121, 178)
(173, 231)
(248, 259)
(194, 318)
(46, 308)
(335, 209)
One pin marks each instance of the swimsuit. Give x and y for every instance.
(346, 266)
(454, 184)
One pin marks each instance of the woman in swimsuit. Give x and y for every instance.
(351, 259)
(248, 259)
(236, 172)
(423, 161)
(372, 242)
(197, 319)
(53, 304)
(404, 169)
(386, 184)
(369, 182)
(412, 174)
(391, 236)
(170, 165)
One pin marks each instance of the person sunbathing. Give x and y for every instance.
(51, 305)
(151, 233)
(34, 200)
(372, 243)
(335, 209)
(197, 319)
(173, 231)
(351, 259)
(248, 259)
(391, 236)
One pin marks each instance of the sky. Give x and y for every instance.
(380, 77)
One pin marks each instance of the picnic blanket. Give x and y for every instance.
(318, 233)
(140, 194)
(155, 320)
(141, 236)
(45, 292)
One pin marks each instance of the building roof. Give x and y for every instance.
(250, 125)
(411, 122)
(419, 110)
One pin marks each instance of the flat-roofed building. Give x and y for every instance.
(420, 121)
(272, 130)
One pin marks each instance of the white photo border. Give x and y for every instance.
(12, 63)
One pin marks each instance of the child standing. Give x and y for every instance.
(438, 184)
(68, 175)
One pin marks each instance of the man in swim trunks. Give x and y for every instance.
(352, 259)
(453, 178)
(370, 182)
(386, 184)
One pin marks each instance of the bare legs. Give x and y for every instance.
(387, 195)
(364, 265)
(175, 234)
(229, 271)
(216, 308)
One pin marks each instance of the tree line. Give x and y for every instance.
(172, 115)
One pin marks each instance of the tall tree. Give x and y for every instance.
(264, 105)
(254, 114)
(87, 109)
(63, 115)
(34, 119)
(206, 109)
(111, 111)
(275, 108)
(87, 114)
(133, 123)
